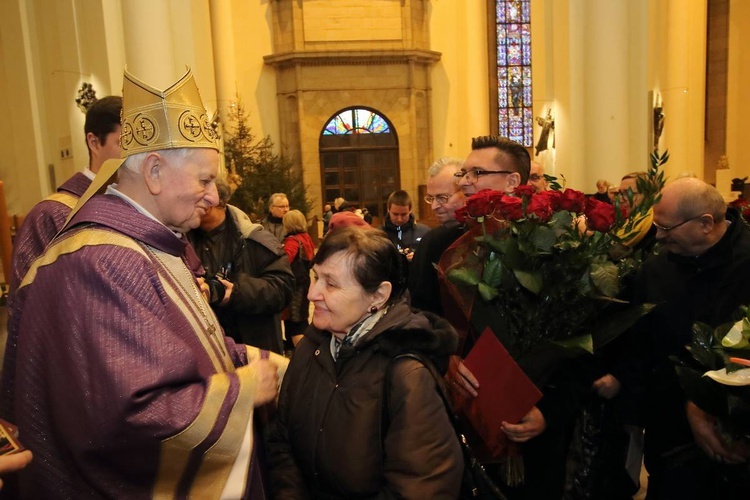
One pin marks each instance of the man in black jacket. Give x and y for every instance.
(400, 225)
(701, 274)
(445, 197)
(248, 274)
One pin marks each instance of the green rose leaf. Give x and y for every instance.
(529, 280)
(543, 238)
(604, 275)
(464, 276)
(585, 342)
(701, 346)
(487, 292)
(493, 272)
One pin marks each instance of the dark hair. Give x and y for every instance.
(374, 257)
(223, 190)
(520, 161)
(400, 198)
(102, 118)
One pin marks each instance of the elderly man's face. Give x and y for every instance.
(491, 175)
(443, 186)
(280, 207)
(536, 177)
(685, 235)
(187, 188)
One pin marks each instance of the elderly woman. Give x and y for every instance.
(336, 437)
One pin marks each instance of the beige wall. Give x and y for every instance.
(601, 107)
(738, 103)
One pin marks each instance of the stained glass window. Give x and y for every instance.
(513, 31)
(356, 121)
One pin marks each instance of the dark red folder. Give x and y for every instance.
(505, 392)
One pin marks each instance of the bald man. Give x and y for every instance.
(536, 177)
(700, 275)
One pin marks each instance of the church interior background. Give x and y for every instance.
(365, 94)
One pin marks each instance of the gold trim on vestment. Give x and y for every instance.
(182, 289)
(176, 450)
(66, 199)
(219, 459)
(76, 241)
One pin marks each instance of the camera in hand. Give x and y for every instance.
(216, 289)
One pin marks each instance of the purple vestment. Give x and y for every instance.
(42, 223)
(121, 381)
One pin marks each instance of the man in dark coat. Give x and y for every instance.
(247, 271)
(444, 197)
(701, 274)
(400, 226)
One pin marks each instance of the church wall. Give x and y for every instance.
(460, 94)
(738, 103)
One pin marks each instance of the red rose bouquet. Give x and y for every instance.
(547, 262)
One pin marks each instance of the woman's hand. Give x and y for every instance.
(530, 426)
(13, 463)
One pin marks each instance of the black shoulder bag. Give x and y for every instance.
(476, 484)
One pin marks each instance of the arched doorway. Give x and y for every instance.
(359, 159)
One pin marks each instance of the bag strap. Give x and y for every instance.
(470, 461)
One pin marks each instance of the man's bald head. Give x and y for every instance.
(689, 217)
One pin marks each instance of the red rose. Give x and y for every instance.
(572, 201)
(526, 190)
(481, 204)
(510, 208)
(554, 197)
(599, 215)
(461, 215)
(540, 206)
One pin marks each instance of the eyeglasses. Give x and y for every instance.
(536, 177)
(440, 198)
(474, 174)
(280, 206)
(668, 229)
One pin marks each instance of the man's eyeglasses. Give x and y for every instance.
(279, 206)
(440, 198)
(474, 174)
(668, 229)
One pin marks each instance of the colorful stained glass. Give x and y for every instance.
(515, 116)
(357, 121)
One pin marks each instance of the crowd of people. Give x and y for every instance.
(160, 343)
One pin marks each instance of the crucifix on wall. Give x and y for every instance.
(548, 126)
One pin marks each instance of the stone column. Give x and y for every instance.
(149, 48)
(224, 56)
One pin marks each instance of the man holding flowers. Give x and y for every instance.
(700, 275)
(541, 224)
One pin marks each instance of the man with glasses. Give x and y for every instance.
(445, 198)
(278, 206)
(701, 274)
(536, 177)
(494, 163)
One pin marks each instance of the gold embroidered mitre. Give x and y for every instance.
(154, 120)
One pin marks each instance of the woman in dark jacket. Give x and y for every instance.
(335, 437)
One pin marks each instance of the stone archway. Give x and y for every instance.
(359, 159)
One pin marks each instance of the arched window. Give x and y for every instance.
(359, 159)
(512, 49)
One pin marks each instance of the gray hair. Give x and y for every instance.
(133, 162)
(441, 163)
(273, 197)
